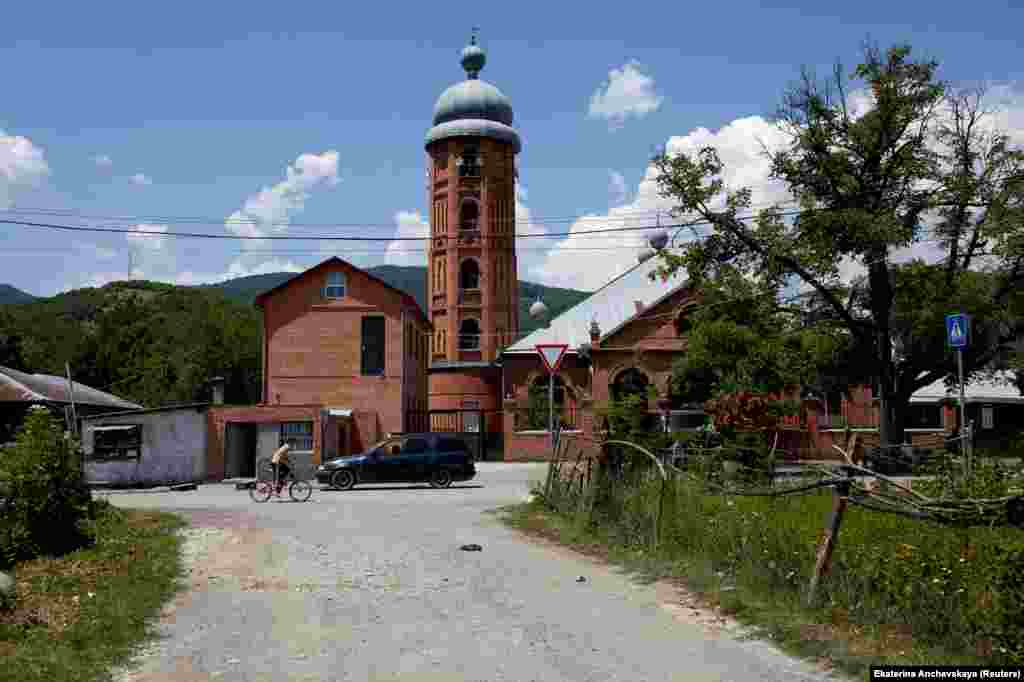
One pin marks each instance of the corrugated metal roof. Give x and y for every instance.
(1000, 390)
(18, 386)
(611, 306)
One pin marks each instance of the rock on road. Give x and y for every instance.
(371, 584)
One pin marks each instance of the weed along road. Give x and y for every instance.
(373, 584)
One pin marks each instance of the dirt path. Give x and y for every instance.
(372, 585)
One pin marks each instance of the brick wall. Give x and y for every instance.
(534, 446)
(313, 348)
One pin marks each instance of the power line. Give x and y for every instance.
(445, 236)
(620, 214)
(202, 235)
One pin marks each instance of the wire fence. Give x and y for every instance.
(573, 482)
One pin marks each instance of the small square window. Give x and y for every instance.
(335, 285)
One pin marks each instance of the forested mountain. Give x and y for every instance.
(158, 344)
(413, 281)
(9, 294)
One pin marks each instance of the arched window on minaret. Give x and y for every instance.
(469, 215)
(469, 274)
(469, 335)
(469, 162)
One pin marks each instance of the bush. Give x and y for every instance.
(48, 497)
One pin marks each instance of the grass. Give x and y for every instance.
(80, 614)
(900, 591)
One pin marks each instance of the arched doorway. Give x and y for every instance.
(630, 408)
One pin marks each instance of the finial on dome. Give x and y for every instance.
(473, 56)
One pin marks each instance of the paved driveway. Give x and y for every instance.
(371, 584)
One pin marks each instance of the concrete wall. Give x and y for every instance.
(174, 449)
(269, 417)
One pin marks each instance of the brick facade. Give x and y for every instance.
(648, 342)
(313, 346)
(313, 361)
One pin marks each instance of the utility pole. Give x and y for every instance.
(71, 395)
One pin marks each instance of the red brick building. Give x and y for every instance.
(344, 362)
(472, 283)
(621, 340)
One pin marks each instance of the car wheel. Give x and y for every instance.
(441, 478)
(343, 479)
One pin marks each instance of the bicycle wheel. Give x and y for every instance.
(300, 491)
(262, 491)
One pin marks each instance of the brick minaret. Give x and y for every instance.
(472, 286)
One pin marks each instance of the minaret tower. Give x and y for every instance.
(472, 286)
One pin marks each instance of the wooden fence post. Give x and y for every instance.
(840, 492)
(661, 511)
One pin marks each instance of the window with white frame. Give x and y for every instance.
(335, 287)
(298, 435)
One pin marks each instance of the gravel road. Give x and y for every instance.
(371, 584)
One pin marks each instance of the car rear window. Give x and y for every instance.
(451, 445)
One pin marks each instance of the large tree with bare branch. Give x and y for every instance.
(892, 159)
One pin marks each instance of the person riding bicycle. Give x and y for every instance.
(281, 466)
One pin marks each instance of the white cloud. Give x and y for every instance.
(617, 192)
(571, 261)
(627, 92)
(22, 167)
(237, 269)
(103, 161)
(145, 239)
(273, 207)
(140, 180)
(189, 277)
(409, 224)
(149, 251)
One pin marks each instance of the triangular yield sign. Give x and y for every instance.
(551, 354)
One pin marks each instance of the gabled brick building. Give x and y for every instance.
(621, 340)
(344, 358)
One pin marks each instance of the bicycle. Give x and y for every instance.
(264, 489)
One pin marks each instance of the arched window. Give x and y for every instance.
(469, 335)
(469, 162)
(683, 322)
(469, 274)
(631, 382)
(469, 216)
(538, 412)
(335, 286)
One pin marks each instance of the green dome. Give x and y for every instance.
(473, 107)
(473, 98)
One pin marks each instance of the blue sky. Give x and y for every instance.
(208, 104)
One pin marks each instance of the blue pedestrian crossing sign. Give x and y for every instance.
(958, 329)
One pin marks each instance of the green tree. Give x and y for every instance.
(920, 161)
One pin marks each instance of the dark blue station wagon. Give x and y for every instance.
(439, 459)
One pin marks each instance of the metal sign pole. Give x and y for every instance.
(964, 435)
(551, 407)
